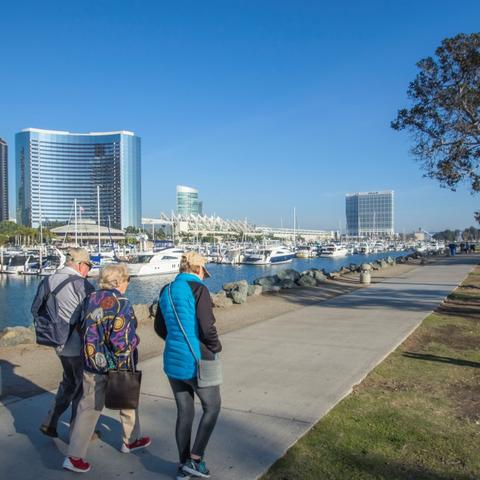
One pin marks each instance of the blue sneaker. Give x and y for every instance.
(196, 468)
(181, 475)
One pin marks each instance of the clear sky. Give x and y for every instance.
(262, 105)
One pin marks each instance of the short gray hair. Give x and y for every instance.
(112, 276)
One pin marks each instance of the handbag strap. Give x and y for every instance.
(181, 326)
(132, 360)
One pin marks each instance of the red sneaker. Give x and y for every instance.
(136, 445)
(76, 465)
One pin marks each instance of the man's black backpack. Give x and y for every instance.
(51, 330)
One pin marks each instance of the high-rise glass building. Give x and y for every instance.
(370, 214)
(3, 180)
(56, 169)
(188, 202)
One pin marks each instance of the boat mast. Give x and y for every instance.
(294, 227)
(76, 222)
(40, 256)
(98, 219)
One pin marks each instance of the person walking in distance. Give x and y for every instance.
(57, 311)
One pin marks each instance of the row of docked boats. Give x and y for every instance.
(165, 258)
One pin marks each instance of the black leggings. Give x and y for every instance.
(183, 391)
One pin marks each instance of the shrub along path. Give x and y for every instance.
(416, 416)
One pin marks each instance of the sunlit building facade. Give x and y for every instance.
(370, 214)
(188, 202)
(56, 170)
(3, 180)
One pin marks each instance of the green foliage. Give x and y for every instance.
(10, 231)
(469, 234)
(444, 118)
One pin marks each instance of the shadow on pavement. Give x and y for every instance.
(410, 299)
(15, 385)
(437, 358)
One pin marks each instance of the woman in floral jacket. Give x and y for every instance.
(110, 342)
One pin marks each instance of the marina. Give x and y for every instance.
(17, 291)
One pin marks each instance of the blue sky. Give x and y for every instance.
(262, 105)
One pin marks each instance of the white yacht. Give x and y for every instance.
(378, 247)
(306, 252)
(16, 264)
(333, 250)
(155, 263)
(364, 248)
(231, 256)
(269, 256)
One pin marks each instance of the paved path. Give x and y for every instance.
(281, 375)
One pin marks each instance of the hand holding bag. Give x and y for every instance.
(209, 372)
(123, 388)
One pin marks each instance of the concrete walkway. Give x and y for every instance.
(281, 377)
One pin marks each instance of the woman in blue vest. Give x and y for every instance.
(187, 300)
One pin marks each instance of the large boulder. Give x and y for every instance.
(288, 274)
(266, 282)
(254, 290)
(228, 287)
(220, 300)
(319, 275)
(240, 295)
(287, 283)
(273, 288)
(306, 281)
(237, 291)
(12, 336)
(382, 263)
(390, 260)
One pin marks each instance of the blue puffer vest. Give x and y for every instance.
(178, 361)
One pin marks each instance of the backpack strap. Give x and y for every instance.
(56, 290)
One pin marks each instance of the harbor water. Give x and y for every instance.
(17, 291)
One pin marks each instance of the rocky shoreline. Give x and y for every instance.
(239, 292)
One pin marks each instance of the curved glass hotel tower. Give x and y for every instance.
(55, 168)
(188, 202)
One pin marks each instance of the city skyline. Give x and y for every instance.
(262, 107)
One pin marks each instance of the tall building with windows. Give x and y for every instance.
(56, 170)
(3, 180)
(370, 214)
(188, 202)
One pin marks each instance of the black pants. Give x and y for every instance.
(69, 391)
(183, 391)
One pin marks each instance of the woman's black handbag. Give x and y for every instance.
(123, 388)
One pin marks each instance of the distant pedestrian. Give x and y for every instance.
(65, 292)
(110, 343)
(185, 320)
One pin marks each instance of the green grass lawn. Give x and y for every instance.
(416, 416)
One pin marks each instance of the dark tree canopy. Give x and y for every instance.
(444, 118)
